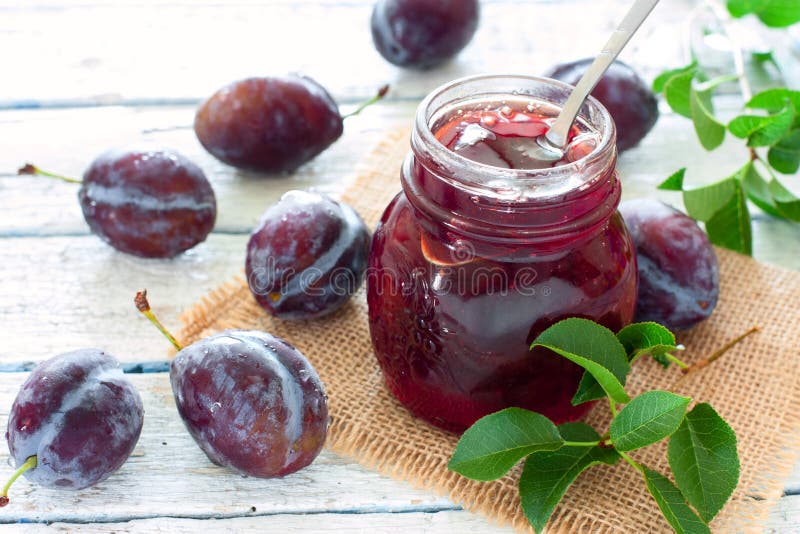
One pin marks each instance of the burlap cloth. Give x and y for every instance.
(755, 387)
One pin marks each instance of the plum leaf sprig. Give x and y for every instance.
(702, 451)
(769, 124)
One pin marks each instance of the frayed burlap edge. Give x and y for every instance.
(755, 387)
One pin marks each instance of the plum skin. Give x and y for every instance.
(423, 33)
(678, 269)
(307, 257)
(269, 124)
(149, 203)
(629, 100)
(251, 401)
(79, 415)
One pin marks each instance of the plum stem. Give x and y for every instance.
(380, 94)
(30, 463)
(32, 169)
(144, 306)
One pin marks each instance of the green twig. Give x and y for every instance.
(613, 406)
(676, 361)
(631, 461)
(719, 352)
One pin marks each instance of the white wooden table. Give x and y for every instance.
(75, 80)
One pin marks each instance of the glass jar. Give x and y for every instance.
(470, 262)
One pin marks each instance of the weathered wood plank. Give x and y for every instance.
(793, 485)
(183, 51)
(168, 475)
(445, 522)
(785, 519)
(64, 293)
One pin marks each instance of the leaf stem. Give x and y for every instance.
(676, 361)
(631, 461)
(755, 157)
(716, 82)
(581, 443)
(30, 463)
(613, 406)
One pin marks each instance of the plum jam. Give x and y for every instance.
(486, 247)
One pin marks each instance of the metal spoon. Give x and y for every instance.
(550, 146)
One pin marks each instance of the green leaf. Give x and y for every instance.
(709, 130)
(787, 204)
(703, 457)
(740, 8)
(743, 125)
(650, 338)
(773, 13)
(547, 475)
(673, 504)
(495, 443)
(767, 58)
(774, 100)
(588, 390)
(647, 419)
(762, 130)
(723, 207)
(662, 79)
(593, 347)
(774, 130)
(780, 13)
(730, 226)
(757, 190)
(784, 157)
(677, 92)
(703, 203)
(674, 182)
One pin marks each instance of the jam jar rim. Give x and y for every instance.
(467, 173)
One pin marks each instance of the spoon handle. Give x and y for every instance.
(557, 134)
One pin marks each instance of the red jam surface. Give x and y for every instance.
(504, 137)
(452, 316)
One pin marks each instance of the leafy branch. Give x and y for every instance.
(769, 124)
(702, 450)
